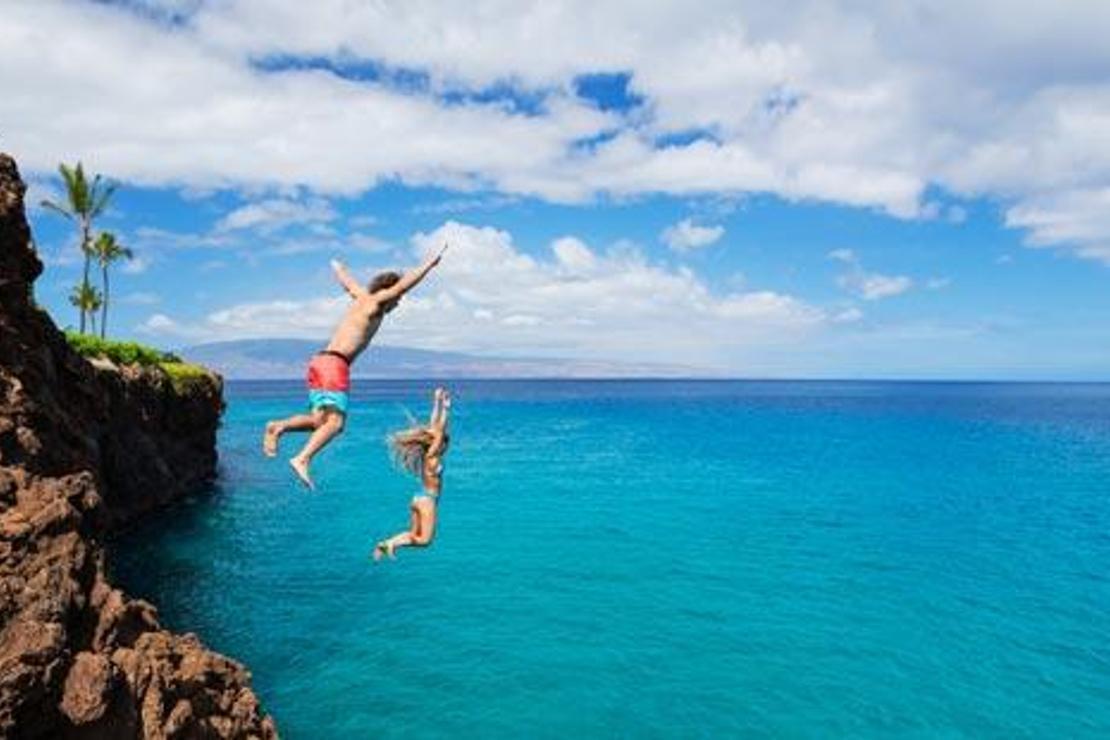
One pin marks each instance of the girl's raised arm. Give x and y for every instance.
(433, 419)
(440, 405)
(438, 424)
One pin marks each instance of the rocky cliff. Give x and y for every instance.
(83, 449)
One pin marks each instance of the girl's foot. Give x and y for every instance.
(384, 548)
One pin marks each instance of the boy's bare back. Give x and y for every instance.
(358, 326)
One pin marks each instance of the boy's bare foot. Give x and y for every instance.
(379, 550)
(300, 467)
(270, 440)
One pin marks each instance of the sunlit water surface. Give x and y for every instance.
(658, 559)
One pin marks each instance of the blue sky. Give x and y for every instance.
(829, 192)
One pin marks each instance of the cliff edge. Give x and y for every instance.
(84, 448)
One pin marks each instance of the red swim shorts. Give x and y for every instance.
(329, 372)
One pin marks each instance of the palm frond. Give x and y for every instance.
(100, 199)
(80, 192)
(85, 297)
(68, 176)
(107, 249)
(52, 206)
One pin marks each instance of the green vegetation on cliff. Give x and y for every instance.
(121, 353)
(182, 375)
(185, 375)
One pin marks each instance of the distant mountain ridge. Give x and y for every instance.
(277, 359)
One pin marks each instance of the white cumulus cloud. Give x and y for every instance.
(490, 296)
(859, 104)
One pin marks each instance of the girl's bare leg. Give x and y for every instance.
(387, 547)
(401, 539)
(420, 533)
(426, 523)
(296, 423)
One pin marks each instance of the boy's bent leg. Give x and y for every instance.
(296, 423)
(328, 429)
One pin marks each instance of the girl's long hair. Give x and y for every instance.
(409, 446)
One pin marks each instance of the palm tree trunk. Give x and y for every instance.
(81, 309)
(85, 281)
(104, 308)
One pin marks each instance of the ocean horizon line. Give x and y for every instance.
(690, 379)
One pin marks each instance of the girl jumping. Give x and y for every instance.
(420, 450)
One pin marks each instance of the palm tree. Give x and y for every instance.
(84, 202)
(107, 251)
(87, 300)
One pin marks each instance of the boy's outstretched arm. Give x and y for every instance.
(410, 279)
(343, 275)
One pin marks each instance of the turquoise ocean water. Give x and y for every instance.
(665, 559)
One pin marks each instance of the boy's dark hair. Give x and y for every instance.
(384, 280)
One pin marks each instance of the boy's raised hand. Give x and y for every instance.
(439, 256)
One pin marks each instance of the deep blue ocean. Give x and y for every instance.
(664, 559)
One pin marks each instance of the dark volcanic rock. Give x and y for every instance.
(84, 448)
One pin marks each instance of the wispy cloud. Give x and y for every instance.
(274, 227)
(138, 264)
(464, 205)
(1077, 217)
(336, 244)
(156, 238)
(140, 298)
(873, 287)
(362, 221)
(686, 235)
(268, 216)
(38, 190)
(870, 286)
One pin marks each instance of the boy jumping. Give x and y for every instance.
(329, 372)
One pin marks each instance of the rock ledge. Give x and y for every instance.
(83, 449)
